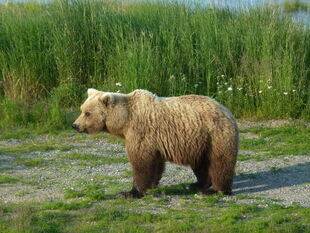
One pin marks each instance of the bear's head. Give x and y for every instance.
(103, 111)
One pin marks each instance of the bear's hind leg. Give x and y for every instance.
(202, 174)
(203, 180)
(221, 177)
(158, 171)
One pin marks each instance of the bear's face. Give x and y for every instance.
(102, 111)
(94, 112)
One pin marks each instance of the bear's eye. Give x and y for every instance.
(87, 114)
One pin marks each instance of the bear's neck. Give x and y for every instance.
(117, 123)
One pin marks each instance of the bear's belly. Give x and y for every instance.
(186, 159)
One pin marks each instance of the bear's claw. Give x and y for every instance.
(131, 194)
(195, 186)
(211, 191)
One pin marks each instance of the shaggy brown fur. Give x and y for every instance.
(190, 130)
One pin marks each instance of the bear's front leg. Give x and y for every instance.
(133, 193)
(145, 168)
(143, 179)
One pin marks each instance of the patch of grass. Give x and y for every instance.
(119, 215)
(295, 5)
(22, 193)
(92, 157)
(50, 222)
(241, 196)
(30, 218)
(285, 140)
(71, 193)
(213, 199)
(250, 143)
(8, 180)
(93, 192)
(128, 173)
(115, 220)
(24, 148)
(16, 134)
(30, 162)
(75, 205)
(16, 179)
(258, 156)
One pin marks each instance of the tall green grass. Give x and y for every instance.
(256, 61)
(296, 5)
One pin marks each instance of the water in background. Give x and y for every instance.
(300, 16)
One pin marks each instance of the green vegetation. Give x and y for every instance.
(8, 180)
(196, 215)
(92, 158)
(93, 192)
(29, 162)
(285, 140)
(31, 147)
(51, 53)
(295, 5)
(74, 205)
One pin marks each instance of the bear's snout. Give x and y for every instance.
(75, 126)
(79, 129)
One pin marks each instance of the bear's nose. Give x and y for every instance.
(74, 126)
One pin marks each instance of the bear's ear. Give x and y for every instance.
(106, 99)
(91, 91)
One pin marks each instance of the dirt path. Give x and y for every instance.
(45, 174)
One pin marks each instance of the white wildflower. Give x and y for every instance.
(172, 78)
(269, 87)
(229, 89)
(240, 88)
(183, 79)
(118, 84)
(260, 92)
(222, 75)
(285, 93)
(294, 90)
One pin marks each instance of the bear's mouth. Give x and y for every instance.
(105, 129)
(82, 131)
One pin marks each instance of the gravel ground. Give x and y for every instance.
(283, 180)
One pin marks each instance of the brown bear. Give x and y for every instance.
(188, 130)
